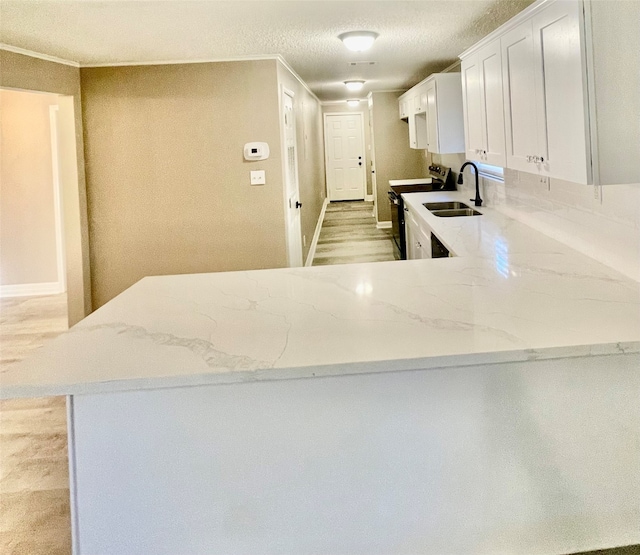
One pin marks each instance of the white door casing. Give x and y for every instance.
(291, 189)
(345, 156)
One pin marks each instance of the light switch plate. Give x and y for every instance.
(258, 177)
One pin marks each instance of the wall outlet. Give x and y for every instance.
(596, 192)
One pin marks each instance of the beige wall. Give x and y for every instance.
(393, 157)
(343, 107)
(26, 73)
(28, 251)
(168, 185)
(311, 170)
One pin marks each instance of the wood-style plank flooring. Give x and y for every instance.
(34, 475)
(349, 234)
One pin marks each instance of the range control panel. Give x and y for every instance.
(440, 172)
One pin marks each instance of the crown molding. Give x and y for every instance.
(276, 57)
(38, 55)
(182, 62)
(299, 79)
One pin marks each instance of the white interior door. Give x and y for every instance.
(345, 156)
(292, 194)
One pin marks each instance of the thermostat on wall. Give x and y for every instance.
(256, 151)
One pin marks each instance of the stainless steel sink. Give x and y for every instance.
(445, 205)
(456, 213)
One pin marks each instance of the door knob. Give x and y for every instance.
(298, 204)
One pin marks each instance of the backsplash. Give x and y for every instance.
(601, 222)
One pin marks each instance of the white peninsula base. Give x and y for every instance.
(522, 457)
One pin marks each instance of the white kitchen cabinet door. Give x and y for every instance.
(432, 117)
(403, 105)
(472, 108)
(420, 100)
(492, 105)
(561, 98)
(418, 131)
(417, 236)
(519, 84)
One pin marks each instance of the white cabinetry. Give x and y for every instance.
(483, 106)
(418, 131)
(420, 99)
(434, 114)
(570, 101)
(417, 236)
(545, 100)
(445, 127)
(403, 106)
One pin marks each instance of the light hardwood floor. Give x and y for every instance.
(349, 234)
(34, 476)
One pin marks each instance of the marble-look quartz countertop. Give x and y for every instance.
(509, 294)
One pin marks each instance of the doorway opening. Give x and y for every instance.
(39, 198)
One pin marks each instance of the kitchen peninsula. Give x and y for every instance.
(482, 403)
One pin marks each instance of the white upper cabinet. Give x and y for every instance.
(561, 97)
(418, 130)
(445, 127)
(563, 77)
(483, 106)
(403, 107)
(521, 117)
(546, 104)
(420, 99)
(436, 122)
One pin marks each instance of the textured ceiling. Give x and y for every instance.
(416, 37)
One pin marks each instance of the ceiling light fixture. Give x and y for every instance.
(354, 85)
(358, 41)
(353, 103)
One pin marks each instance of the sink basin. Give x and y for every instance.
(456, 213)
(445, 205)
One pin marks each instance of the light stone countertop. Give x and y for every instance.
(510, 294)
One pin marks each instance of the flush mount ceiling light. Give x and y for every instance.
(354, 85)
(358, 41)
(353, 103)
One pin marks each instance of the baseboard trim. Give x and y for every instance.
(383, 225)
(316, 235)
(31, 289)
(368, 198)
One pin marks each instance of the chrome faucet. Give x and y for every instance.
(477, 201)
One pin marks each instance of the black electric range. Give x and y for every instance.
(441, 180)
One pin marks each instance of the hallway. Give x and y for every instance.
(349, 234)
